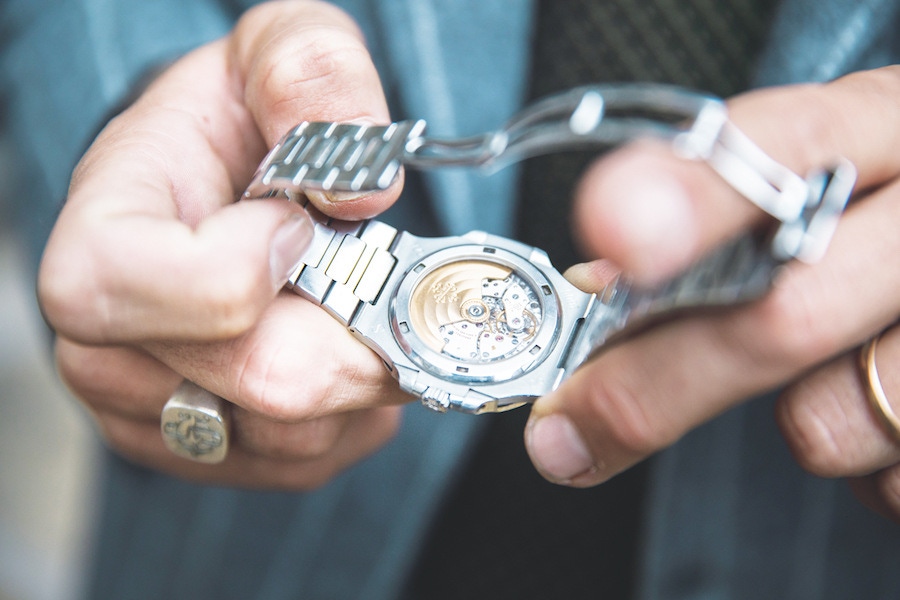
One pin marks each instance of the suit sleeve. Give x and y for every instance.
(64, 66)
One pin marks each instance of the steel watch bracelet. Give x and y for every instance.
(350, 263)
(345, 156)
(346, 264)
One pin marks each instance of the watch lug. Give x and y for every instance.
(409, 379)
(539, 257)
(476, 237)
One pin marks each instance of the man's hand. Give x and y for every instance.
(154, 274)
(651, 214)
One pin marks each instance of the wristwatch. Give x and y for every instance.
(481, 323)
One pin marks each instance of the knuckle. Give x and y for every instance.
(291, 383)
(318, 437)
(74, 371)
(809, 116)
(815, 435)
(317, 470)
(790, 328)
(814, 123)
(119, 434)
(114, 379)
(303, 441)
(882, 86)
(63, 284)
(52, 293)
(233, 303)
(817, 118)
(268, 383)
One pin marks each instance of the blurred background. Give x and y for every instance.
(47, 447)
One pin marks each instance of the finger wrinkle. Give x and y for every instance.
(254, 365)
(317, 66)
(320, 74)
(223, 165)
(266, 25)
(279, 381)
(368, 379)
(118, 186)
(204, 179)
(222, 121)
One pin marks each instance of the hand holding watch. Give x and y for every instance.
(480, 323)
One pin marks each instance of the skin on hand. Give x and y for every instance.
(153, 273)
(651, 213)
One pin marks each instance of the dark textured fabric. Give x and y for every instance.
(699, 44)
(505, 531)
(703, 44)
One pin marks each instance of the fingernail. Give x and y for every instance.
(657, 222)
(557, 449)
(334, 197)
(289, 243)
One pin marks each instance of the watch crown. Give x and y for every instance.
(436, 399)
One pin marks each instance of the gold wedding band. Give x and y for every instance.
(195, 425)
(874, 390)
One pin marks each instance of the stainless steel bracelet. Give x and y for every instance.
(348, 157)
(347, 264)
(736, 273)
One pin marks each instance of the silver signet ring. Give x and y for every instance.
(195, 424)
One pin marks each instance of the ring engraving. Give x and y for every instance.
(194, 424)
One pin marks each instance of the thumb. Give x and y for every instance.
(120, 278)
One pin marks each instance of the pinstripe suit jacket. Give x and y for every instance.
(729, 515)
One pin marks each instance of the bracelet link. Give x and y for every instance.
(348, 263)
(333, 156)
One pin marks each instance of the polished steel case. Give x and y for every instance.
(444, 382)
